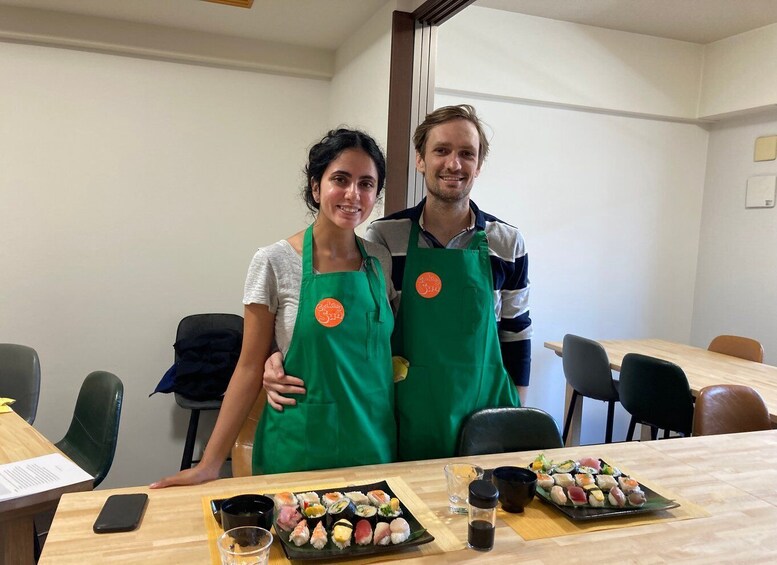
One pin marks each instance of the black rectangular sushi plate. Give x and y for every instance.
(418, 534)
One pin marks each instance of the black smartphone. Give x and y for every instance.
(120, 513)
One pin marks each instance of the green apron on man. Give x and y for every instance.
(341, 348)
(446, 329)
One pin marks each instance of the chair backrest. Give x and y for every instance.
(736, 346)
(728, 409)
(91, 439)
(501, 430)
(243, 449)
(656, 392)
(196, 324)
(587, 368)
(20, 378)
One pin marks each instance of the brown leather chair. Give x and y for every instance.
(728, 409)
(736, 346)
(243, 449)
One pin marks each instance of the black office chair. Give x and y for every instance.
(190, 327)
(656, 393)
(91, 439)
(502, 430)
(20, 378)
(587, 371)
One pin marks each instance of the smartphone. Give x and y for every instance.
(120, 513)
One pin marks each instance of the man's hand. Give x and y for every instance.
(277, 383)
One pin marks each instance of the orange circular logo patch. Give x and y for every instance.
(329, 312)
(428, 284)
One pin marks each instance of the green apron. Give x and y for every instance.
(446, 329)
(341, 349)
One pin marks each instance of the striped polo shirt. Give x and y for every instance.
(509, 266)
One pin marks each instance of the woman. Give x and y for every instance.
(321, 294)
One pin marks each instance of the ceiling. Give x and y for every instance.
(325, 24)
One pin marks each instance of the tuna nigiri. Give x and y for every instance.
(577, 495)
(362, 535)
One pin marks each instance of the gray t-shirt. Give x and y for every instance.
(275, 277)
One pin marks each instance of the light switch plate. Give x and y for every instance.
(766, 148)
(760, 191)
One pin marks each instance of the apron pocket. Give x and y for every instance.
(322, 435)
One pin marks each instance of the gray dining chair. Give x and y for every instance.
(587, 371)
(20, 378)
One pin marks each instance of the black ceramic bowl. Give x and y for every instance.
(516, 485)
(246, 510)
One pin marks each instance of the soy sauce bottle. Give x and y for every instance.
(483, 497)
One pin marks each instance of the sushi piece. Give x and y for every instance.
(382, 534)
(564, 479)
(557, 495)
(628, 484)
(583, 479)
(596, 498)
(545, 481)
(565, 467)
(541, 464)
(606, 482)
(367, 512)
(301, 534)
(592, 463)
(342, 533)
(285, 499)
(400, 530)
(616, 497)
(305, 499)
(357, 498)
(362, 535)
(288, 518)
(610, 470)
(341, 510)
(589, 488)
(636, 498)
(314, 514)
(390, 511)
(378, 497)
(318, 537)
(577, 496)
(330, 498)
(586, 470)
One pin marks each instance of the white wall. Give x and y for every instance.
(610, 205)
(135, 192)
(735, 290)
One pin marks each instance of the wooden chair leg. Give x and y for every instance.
(570, 412)
(610, 419)
(632, 427)
(191, 437)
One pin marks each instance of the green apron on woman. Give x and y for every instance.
(341, 348)
(446, 329)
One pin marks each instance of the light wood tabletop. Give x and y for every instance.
(20, 441)
(702, 367)
(732, 479)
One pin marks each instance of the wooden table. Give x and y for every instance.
(702, 367)
(19, 441)
(733, 478)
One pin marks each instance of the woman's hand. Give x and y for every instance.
(193, 476)
(277, 383)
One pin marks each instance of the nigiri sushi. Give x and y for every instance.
(606, 482)
(382, 534)
(358, 498)
(583, 479)
(545, 481)
(362, 535)
(288, 518)
(378, 497)
(305, 499)
(577, 496)
(301, 534)
(558, 496)
(616, 497)
(596, 498)
(342, 533)
(318, 538)
(628, 484)
(400, 530)
(285, 499)
(591, 463)
(636, 498)
(564, 479)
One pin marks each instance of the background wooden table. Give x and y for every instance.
(734, 478)
(20, 441)
(702, 367)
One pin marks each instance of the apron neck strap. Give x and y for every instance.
(478, 239)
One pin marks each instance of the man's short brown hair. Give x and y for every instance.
(447, 114)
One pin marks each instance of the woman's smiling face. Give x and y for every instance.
(348, 189)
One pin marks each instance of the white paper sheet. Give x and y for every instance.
(38, 474)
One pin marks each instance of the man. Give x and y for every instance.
(463, 321)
